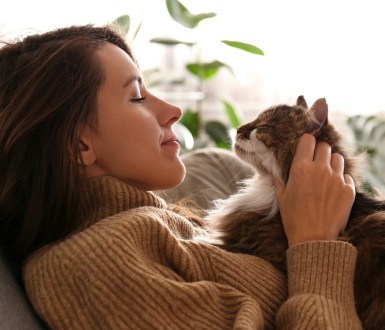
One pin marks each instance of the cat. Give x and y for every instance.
(249, 220)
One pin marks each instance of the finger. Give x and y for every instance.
(349, 181)
(322, 153)
(305, 148)
(337, 163)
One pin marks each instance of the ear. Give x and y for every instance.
(318, 116)
(301, 101)
(86, 147)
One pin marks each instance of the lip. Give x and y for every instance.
(170, 141)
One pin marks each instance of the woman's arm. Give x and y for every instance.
(320, 285)
(315, 206)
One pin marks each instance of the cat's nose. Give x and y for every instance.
(244, 132)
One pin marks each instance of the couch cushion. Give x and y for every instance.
(211, 173)
(15, 310)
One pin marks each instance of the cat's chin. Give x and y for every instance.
(247, 156)
(255, 158)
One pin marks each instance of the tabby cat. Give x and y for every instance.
(249, 221)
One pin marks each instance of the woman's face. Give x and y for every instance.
(134, 141)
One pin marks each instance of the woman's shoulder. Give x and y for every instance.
(127, 231)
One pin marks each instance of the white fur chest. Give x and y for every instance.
(258, 195)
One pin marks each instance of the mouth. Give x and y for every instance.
(240, 151)
(170, 141)
(242, 148)
(252, 157)
(245, 154)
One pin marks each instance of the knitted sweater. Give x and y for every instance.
(138, 265)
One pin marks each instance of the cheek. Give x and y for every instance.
(265, 139)
(133, 128)
(145, 130)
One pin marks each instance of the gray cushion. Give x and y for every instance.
(15, 310)
(211, 173)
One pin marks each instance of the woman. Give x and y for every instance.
(82, 144)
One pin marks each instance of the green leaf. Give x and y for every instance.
(183, 16)
(369, 135)
(170, 42)
(192, 121)
(244, 46)
(137, 30)
(368, 131)
(232, 114)
(206, 70)
(219, 133)
(123, 22)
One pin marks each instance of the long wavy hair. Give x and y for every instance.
(48, 89)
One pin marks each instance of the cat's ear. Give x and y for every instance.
(301, 101)
(318, 116)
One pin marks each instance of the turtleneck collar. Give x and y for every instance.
(101, 197)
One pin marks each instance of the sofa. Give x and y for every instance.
(15, 311)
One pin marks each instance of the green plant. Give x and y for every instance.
(369, 139)
(124, 23)
(213, 131)
(202, 132)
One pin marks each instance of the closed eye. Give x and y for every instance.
(264, 128)
(138, 100)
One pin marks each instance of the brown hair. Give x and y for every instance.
(48, 87)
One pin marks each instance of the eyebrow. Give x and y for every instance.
(131, 79)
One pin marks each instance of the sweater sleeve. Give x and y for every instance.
(320, 284)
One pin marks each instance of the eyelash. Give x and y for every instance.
(138, 100)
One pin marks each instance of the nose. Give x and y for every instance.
(244, 131)
(168, 113)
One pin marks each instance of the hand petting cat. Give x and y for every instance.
(316, 202)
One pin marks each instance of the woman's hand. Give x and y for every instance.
(316, 202)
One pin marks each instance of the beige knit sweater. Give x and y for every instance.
(140, 266)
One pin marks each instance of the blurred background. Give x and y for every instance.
(331, 48)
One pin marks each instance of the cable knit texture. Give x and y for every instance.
(137, 265)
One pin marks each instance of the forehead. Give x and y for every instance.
(116, 63)
(282, 113)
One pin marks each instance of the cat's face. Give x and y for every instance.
(268, 143)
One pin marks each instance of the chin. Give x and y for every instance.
(178, 177)
(172, 179)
